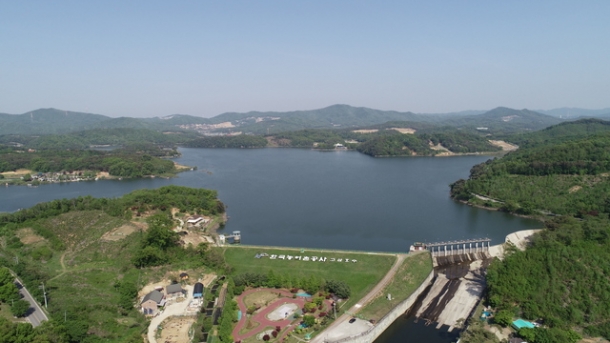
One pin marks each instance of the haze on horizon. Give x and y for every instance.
(203, 58)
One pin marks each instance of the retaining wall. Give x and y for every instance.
(371, 334)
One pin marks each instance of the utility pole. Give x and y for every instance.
(45, 295)
(335, 309)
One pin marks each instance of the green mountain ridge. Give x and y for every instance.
(54, 121)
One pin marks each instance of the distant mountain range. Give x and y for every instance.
(501, 119)
(573, 113)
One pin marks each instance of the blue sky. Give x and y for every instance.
(154, 58)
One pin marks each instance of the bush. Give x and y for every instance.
(339, 288)
(504, 318)
(266, 338)
(20, 308)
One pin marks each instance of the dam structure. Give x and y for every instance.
(451, 252)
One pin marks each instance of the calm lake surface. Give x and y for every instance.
(335, 200)
(307, 198)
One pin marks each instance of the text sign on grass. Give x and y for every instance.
(304, 258)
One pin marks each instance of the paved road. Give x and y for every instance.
(335, 326)
(36, 315)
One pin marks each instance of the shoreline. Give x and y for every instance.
(100, 176)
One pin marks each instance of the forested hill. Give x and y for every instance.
(53, 121)
(562, 132)
(499, 120)
(47, 121)
(108, 249)
(85, 139)
(563, 175)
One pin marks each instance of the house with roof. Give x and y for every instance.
(197, 220)
(174, 290)
(151, 302)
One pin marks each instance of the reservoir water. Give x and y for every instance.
(306, 198)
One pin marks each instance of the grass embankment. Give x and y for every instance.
(84, 267)
(361, 276)
(410, 275)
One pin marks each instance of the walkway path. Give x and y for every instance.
(261, 317)
(63, 266)
(331, 330)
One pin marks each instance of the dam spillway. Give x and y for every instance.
(452, 252)
(459, 283)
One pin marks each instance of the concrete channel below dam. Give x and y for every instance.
(450, 294)
(455, 291)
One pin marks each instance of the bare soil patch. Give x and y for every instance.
(176, 330)
(119, 233)
(195, 238)
(405, 130)
(438, 147)
(207, 279)
(28, 236)
(574, 189)
(140, 225)
(262, 298)
(443, 151)
(365, 131)
(17, 173)
(505, 146)
(102, 174)
(223, 125)
(181, 166)
(593, 340)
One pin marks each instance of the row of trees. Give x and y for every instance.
(10, 294)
